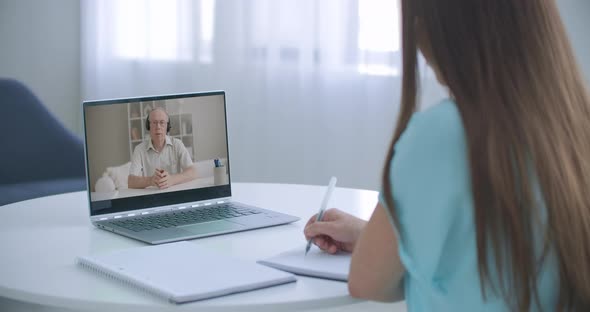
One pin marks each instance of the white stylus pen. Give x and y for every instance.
(331, 186)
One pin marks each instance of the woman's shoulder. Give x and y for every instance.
(439, 128)
(445, 109)
(432, 152)
(431, 156)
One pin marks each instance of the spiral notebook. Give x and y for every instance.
(182, 271)
(316, 263)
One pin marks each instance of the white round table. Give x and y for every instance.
(41, 238)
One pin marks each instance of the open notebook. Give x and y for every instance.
(182, 271)
(316, 263)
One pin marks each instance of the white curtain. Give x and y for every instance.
(312, 85)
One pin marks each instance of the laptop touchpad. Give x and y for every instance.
(212, 227)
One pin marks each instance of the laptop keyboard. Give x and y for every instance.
(185, 217)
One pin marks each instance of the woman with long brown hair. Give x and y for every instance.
(485, 203)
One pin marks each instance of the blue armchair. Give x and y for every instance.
(39, 155)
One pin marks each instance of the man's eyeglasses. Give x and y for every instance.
(160, 123)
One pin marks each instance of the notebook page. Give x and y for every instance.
(316, 263)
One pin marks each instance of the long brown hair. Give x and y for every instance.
(511, 70)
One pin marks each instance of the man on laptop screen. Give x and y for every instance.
(161, 161)
(158, 169)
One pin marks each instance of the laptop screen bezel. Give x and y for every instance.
(125, 204)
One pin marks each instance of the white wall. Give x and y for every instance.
(576, 17)
(108, 139)
(208, 126)
(40, 46)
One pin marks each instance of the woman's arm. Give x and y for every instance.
(376, 271)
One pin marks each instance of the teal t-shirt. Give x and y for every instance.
(431, 187)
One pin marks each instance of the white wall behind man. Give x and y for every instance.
(40, 46)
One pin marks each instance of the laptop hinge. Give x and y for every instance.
(128, 214)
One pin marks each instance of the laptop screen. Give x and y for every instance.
(155, 151)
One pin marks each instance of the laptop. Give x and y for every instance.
(165, 179)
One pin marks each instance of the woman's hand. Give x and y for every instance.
(337, 231)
